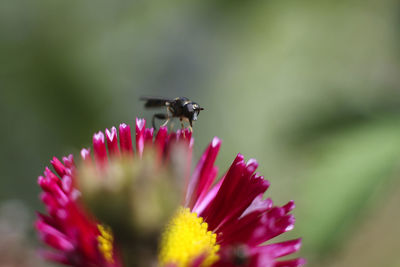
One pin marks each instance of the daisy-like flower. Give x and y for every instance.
(77, 238)
(220, 223)
(226, 223)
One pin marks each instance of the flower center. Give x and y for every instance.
(105, 242)
(186, 238)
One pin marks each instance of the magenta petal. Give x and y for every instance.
(201, 205)
(59, 194)
(216, 211)
(51, 176)
(148, 136)
(258, 204)
(99, 148)
(85, 154)
(237, 192)
(112, 142)
(289, 206)
(44, 183)
(282, 249)
(240, 197)
(161, 137)
(51, 204)
(140, 138)
(291, 263)
(184, 135)
(67, 184)
(58, 167)
(125, 139)
(187, 134)
(251, 166)
(69, 161)
(46, 219)
(160, 141)
(257, 227)
(204, 174)
(53, 237)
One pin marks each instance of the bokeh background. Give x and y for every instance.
(311, 89)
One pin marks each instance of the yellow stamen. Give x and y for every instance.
(105, 242)
(185, 239)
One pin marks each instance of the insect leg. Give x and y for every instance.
(190, 125)
(167, 116)
(166, 122)
(159, 116)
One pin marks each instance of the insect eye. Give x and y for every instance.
(190, 108)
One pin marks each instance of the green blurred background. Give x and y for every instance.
(311, 89)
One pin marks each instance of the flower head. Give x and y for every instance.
(233, 217)
(218, 223)
(77, 238)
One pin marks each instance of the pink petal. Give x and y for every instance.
(258, 204)
(140, 138)
(148, 135)
(281, 249)
(257, 227)
(58, 166)
(289, 206)
(51, 176)
(291, 263)
(125, 139)
(203, 175)
(99, 148)
(201, 205)
(112, 142)
(53, 237)
(160, 141)
(67, 184)
(85, 154)
(69, 161)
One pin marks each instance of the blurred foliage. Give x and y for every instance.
(309, 88)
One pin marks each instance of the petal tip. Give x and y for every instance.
(215, 142)
(123, 126)
(99, 136)
(111, 134)
(140, 123)
(85, 153)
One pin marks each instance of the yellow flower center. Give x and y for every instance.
(186, 238)
(105, 242)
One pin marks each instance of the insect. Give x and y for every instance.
(180, 107)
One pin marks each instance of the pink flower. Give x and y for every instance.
(68, 228)
(223, 223)
(236, 215)
(76, 237)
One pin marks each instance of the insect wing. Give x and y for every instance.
(155, 102)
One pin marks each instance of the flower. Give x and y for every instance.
(76, 237)
(226, 223)
(223, 223)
